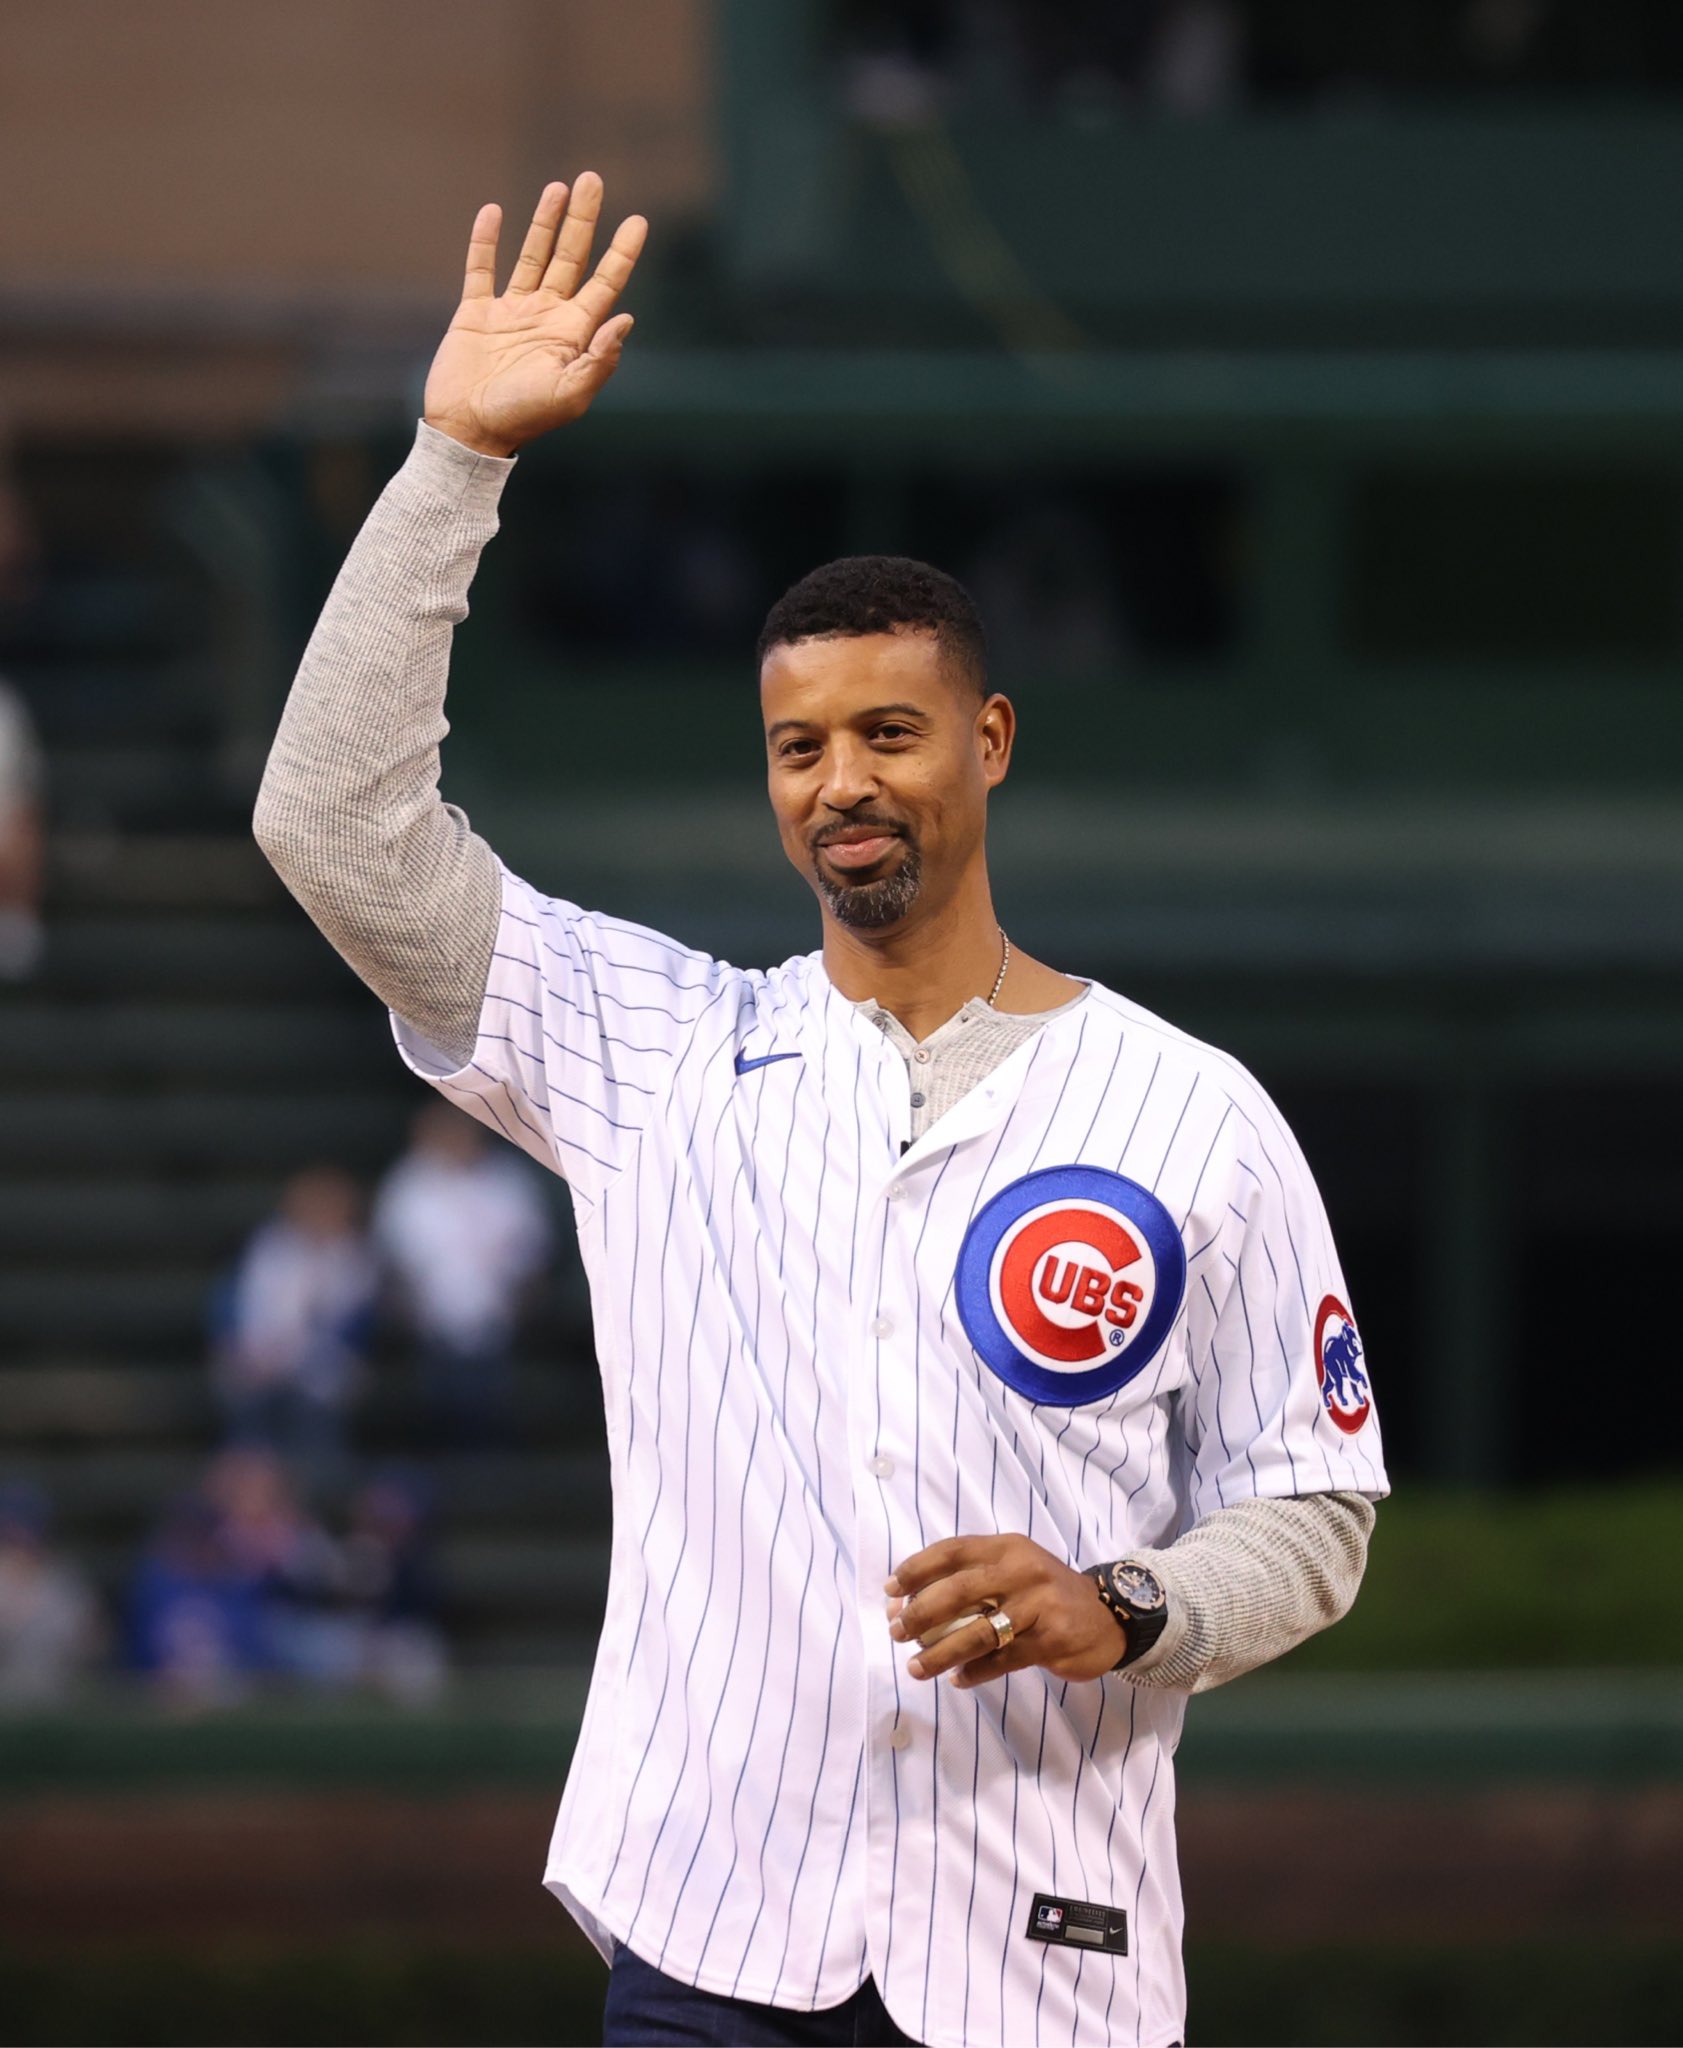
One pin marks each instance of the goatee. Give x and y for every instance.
(868, 906)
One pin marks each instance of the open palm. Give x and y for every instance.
(512, 367)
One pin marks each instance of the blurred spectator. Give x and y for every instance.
(1044, 583)
(242, 1584)
(195, 1617)
(21, 839)
(903, 61)
(899, 55)
(1085, 53)
(1501, 35)
(51, 1628)
(1181, 55)
(467, 1235)
(292, 1328)
(392, 1590)
(294, 1567)
(665, 563)
(1196, 62)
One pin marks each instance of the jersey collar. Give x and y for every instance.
(831, 1016)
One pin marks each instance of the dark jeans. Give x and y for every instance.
(646, 2007)
(468, 1396)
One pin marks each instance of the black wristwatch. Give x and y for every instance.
(1135, 1595)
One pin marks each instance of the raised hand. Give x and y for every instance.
(512, 367)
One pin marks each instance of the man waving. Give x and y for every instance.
(964, 1328)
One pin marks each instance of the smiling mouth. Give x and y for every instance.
(861, 852)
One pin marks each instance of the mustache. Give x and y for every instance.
(858, 821)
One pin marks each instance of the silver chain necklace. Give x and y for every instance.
(999, 979)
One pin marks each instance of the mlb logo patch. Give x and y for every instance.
(1078, 1923)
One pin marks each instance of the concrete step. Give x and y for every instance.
(97, 1218)
(103, 1491)
(133, 619)
(548, 1584)
(141, 787)
(143, 700)
(196, 1043)
(147, 1308)
(60, 1131)
(159, 871)
(548, 1581)
(507, 1645)
(101, 1494)
(175, 958)
(144, 1309)
(59, 1402)
(63, 1401)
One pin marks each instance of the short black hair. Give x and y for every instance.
(859, 594)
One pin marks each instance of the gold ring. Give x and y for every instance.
(1003, 1627)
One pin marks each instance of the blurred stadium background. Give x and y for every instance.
(1301, 390)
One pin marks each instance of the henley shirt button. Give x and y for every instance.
(882, 1468)
(900, 1737)
(918, 1101)
(922, 1055)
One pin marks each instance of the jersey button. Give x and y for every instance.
(882, 1468)
(883, 1327)
(897, 1193)
(900, 1736)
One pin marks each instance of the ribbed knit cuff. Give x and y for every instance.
(459, 474)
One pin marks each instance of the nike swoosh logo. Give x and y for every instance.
(744, 1065)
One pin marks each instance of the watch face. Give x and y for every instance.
(1133, 1583)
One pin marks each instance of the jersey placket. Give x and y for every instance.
(893, 1459)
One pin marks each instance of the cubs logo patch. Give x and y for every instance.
(1338, 1352)
(1068, 1282)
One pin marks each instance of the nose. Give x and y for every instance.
(851, 777)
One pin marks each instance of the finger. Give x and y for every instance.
(924, 1567)
(951, 1554)
(977, 1639)
(578, 231)
(609, 338)
(613, 273)
(1016, 1656)
(944, 1600)
(540, 239)
(587, 373)
(481, 279)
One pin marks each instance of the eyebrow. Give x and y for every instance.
(876, 711)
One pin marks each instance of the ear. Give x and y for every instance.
(996, 729)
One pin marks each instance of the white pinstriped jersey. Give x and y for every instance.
(1095, 1302)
